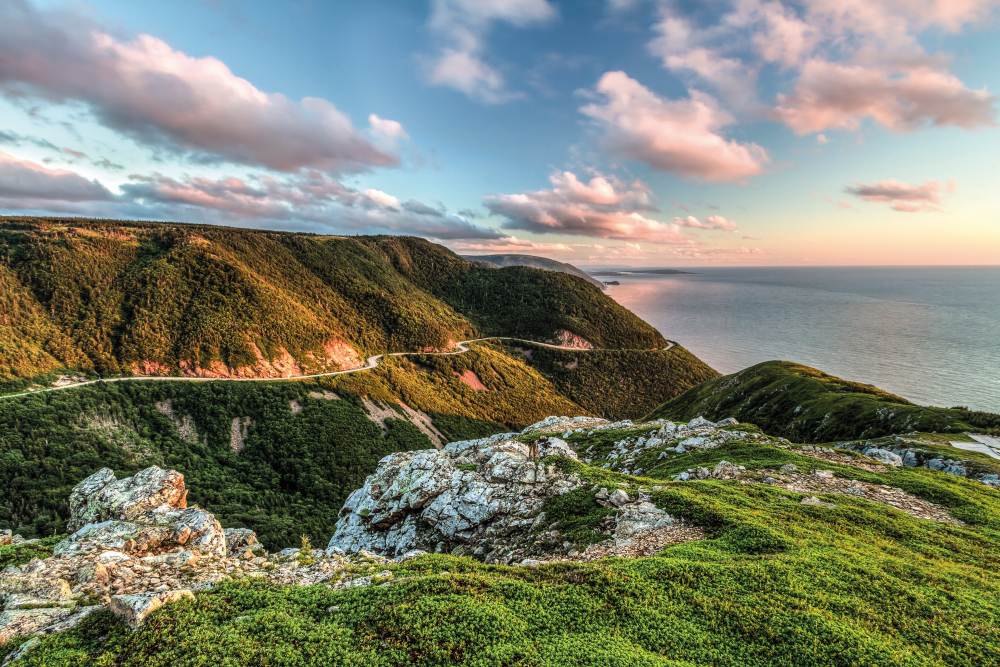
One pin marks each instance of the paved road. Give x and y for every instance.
(372, 362)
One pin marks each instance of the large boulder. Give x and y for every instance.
(101, 496)
(477, 496)
(134, 609)
(146, 513)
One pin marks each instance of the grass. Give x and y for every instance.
(807, 405)
(775, 583)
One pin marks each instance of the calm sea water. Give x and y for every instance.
(929, 334)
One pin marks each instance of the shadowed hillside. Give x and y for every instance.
(807, 405)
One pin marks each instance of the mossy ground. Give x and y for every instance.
(806, 405)
(776, 583)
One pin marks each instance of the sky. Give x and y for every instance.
(600, 132)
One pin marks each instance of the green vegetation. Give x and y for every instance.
(619, 384)
(519, 301)
(12, 555)
(278, 457)
(777, 582)
(807, 405)
(126, 297)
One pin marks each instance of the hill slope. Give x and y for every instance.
(142, 298)
(807, 405)
(535, 262)
(277, 457)
(795, 559)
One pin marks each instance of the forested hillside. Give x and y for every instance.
(279, 457)
(807, 405)
(117, 298)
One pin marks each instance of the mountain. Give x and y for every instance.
(113, 298)
(535, 262)
(103, 298)
(807, 405)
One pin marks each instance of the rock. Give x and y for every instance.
(618, 498)
(24, 590)
(101, 497)
(789, 468)
(637, 518)
(6, 537)
(241, 540)
(728, 421)
(134, 609)
(823, 474)
(813, 500)
(910, 459)
(700, 422)
(19, 622)
(727, 470)
(885, 456)
(475, 496)
(142, 514)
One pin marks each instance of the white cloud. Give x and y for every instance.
(166, 98)
(461, 26)
(680, 136)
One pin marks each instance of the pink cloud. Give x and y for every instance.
(162, 96)
(835, 96)
(903, 197)
(24, 184)
(601, 207)
(681, 136)
(308, 199)
(717, 222)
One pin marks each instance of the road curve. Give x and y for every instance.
(371, 363)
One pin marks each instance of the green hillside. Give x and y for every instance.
(807, 405)
(837, 580)
(144, 298)
(617, 384)
(279, 457)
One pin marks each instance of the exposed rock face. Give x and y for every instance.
(480, 497)
(133, 609)
(144, 549)
(101, 496)
(142, 514)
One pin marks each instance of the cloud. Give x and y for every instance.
(836, 96)
(682, 48)
(903, 197)
(601, 207)
(512, 244)
(717, 222)
(169, 99)
(462, 26)
(680, 136)
(312, 199)
(25, 184)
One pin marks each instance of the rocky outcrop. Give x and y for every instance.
(480, 497)
(136, 547)
(143, 514)
(910, 451)
(101, 496)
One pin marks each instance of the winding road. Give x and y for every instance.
(371, 363)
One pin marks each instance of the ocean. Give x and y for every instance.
(929, 334)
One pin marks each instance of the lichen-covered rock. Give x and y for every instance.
(142, 514)
(134, 609)
(239, 541)
(885, 456)
(476, 496)
(101, 496)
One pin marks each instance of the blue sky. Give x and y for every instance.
(605, 132)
